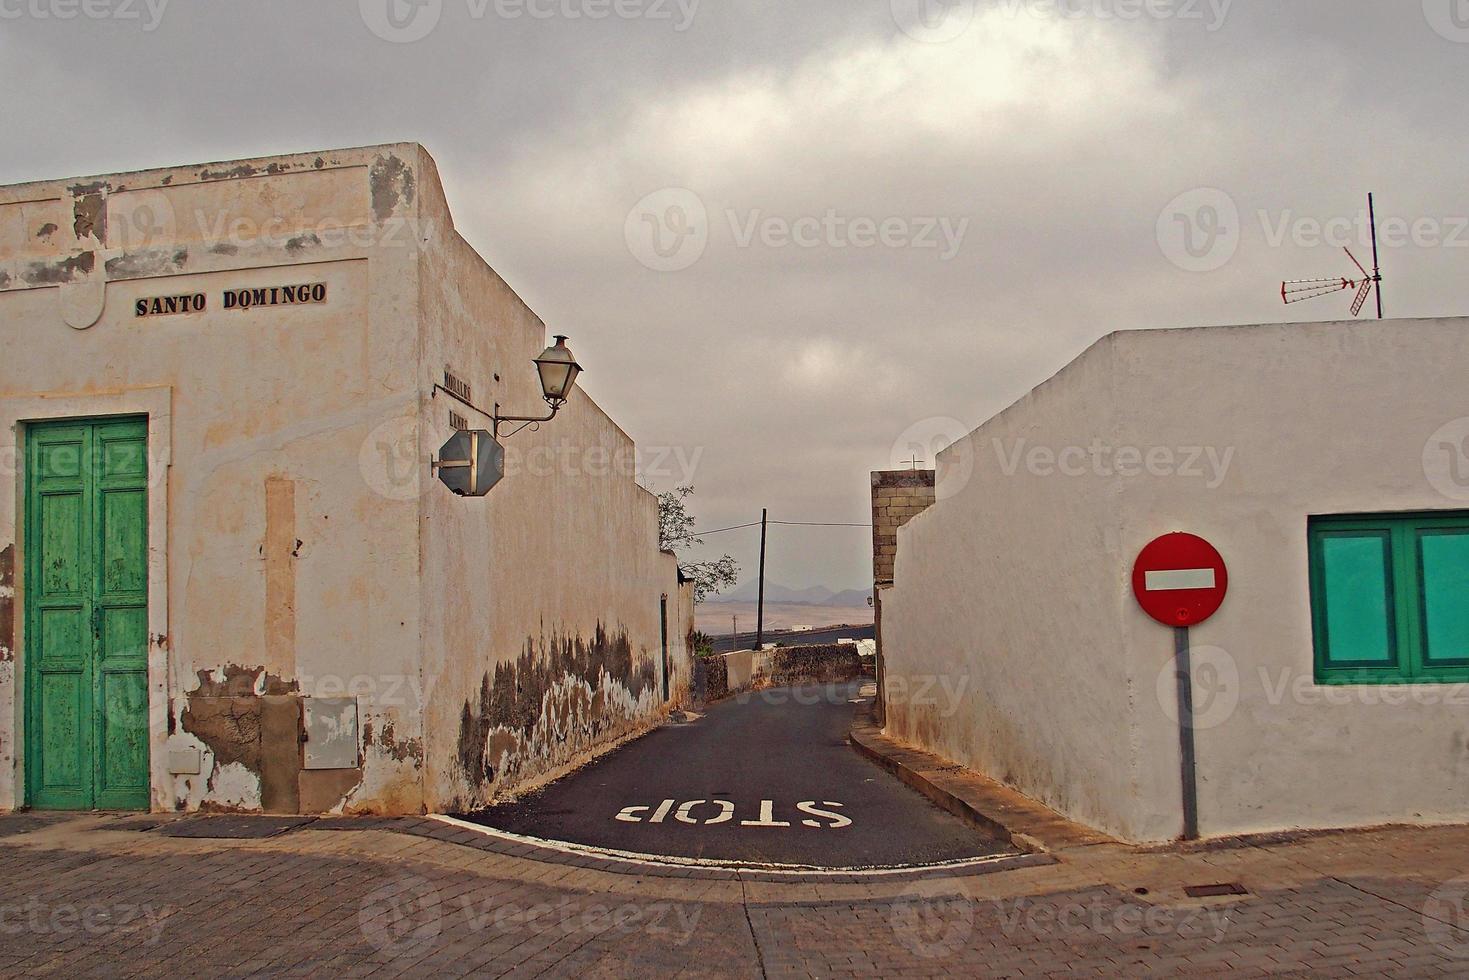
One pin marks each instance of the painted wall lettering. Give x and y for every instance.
(171, 305)
(246, 299)
(708, 813)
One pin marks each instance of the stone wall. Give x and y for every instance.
(898, 496)
(725, 675)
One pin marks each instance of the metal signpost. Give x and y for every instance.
(1181, 580)
(471, 463)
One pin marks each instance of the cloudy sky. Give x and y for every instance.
(792, 241)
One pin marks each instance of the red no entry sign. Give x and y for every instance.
(1180, 580)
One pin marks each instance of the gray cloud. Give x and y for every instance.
(1059, 139)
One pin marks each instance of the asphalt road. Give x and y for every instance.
(765, 778)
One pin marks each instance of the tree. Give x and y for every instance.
(676, 531)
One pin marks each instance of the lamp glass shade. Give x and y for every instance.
(559, 371)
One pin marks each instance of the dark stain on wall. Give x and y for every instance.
(57, 273)
(47, 230)
(302, 242)
(243, 170)
(7, 603)
(388, 742)
(392, 184)
(513, 697)
(150, 263)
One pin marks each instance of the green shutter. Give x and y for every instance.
(1390, 598)
(1359, 625)
(1443, 563)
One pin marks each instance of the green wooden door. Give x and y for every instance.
(87, 615)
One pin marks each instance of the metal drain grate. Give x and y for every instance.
(234, 828)
(1216, 891)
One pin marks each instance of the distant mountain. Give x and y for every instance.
(855, 598)
(816, 595)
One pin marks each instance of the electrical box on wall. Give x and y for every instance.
(331, 733)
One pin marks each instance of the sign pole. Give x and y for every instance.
(1188, 769)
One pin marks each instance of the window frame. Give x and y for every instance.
(1407, 598)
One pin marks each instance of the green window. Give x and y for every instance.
(1390, 598)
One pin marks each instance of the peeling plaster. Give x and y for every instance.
(233, 681)
(89, 213)
(233, 787)
(557, 700)
(7, 603)
(389, 745)
(47, 230)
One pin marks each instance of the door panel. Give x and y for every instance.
(87, 622)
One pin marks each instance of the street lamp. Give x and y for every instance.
(558, 370)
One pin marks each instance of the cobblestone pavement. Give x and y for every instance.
(84, 897)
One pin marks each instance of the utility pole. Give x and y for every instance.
(760, 614)
(734, 637)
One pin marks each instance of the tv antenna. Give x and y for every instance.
(1300, 290)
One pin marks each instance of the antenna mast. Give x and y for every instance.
(1299, 290)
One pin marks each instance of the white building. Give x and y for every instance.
(229, 577)
(1329, 463)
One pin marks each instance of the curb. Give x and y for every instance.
(861, 741)
(994, 810)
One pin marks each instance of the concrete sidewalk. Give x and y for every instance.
(101, 895)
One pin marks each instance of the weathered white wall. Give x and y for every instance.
(1018, 586)
(300, 545)
(1000, 634)
(542, 601)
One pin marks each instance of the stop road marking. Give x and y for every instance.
(722, 812)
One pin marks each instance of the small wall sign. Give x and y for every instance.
(171, 305)
(234, 299)
(246, 299)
